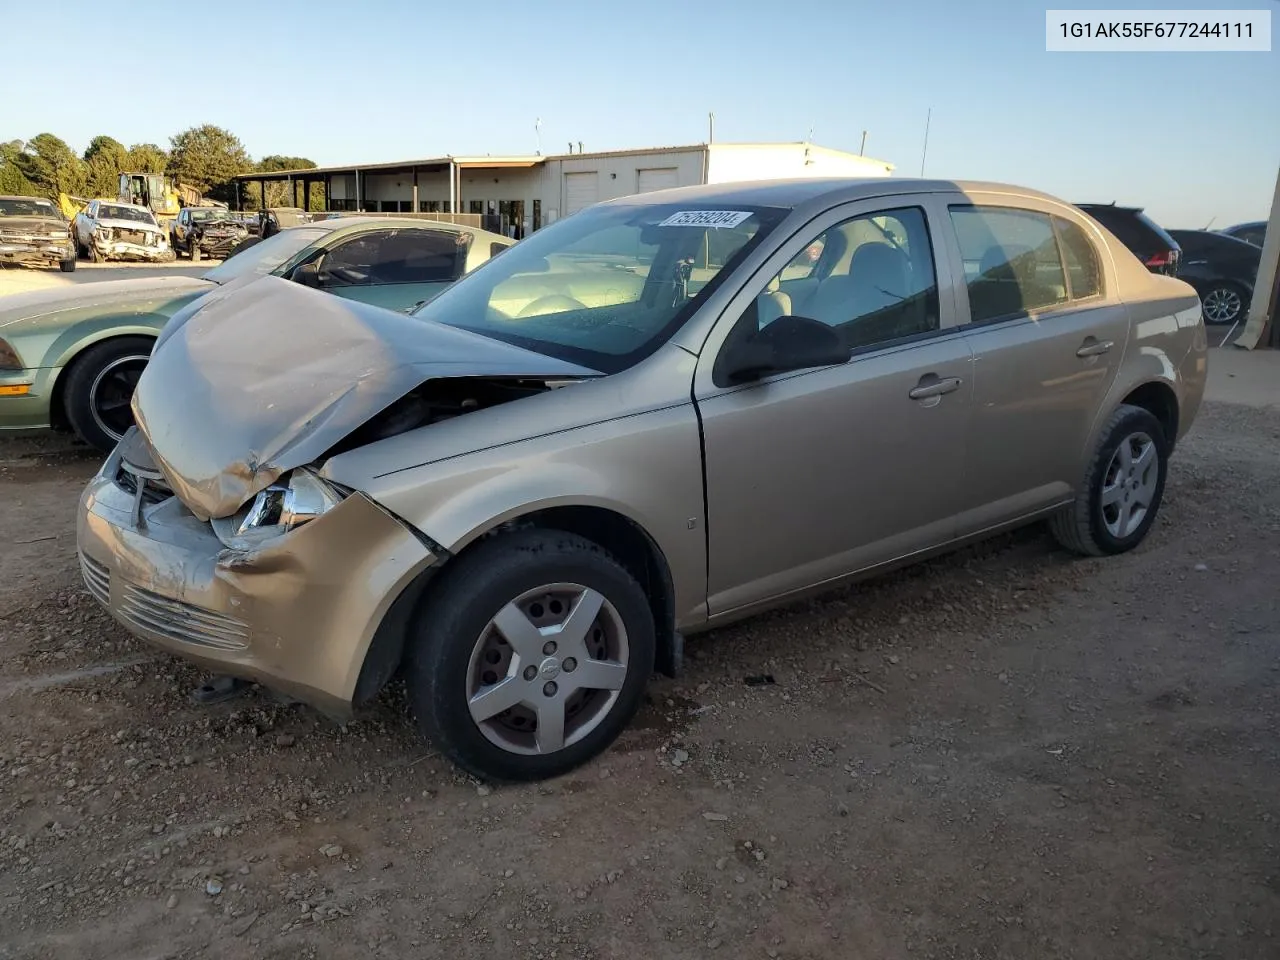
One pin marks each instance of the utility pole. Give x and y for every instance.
(1263, 326)
(711, 128)
(862, 150)
(925, 151)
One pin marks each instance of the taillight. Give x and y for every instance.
(1162, 259)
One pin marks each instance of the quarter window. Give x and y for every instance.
(871, 278)
(1011, 261)
(1081, 257)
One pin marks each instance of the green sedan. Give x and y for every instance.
(70, 357)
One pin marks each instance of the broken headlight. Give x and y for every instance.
(296, 498)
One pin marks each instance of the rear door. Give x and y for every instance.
(1047, 335)
(394, 268)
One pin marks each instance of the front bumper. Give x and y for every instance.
(36, 251)
(297, 615)
(219, 246)
(124, 250)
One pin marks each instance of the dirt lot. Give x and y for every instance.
(1005, 753)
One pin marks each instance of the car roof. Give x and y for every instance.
(798, 191)
(340, 223)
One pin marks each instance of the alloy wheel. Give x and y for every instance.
(111, 392)
(1129, 485)
(547, 669)
(1222, 305)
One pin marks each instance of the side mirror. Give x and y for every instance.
(308, 274)
(788, 343)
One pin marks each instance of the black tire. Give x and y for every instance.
(244, 244)
(195, 252)
(83, 387)
(1226, 293)
(94, 256)
(68, 266)
(1082, 527)
(455, 615)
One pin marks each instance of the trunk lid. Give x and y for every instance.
(269, 376)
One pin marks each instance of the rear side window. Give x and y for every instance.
(1011, 261)
(1084, 271)
(399, 256)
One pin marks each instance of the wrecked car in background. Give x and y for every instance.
(107, 230)
(34, 232)
(70, 357)
(654, 417)
(206, 232)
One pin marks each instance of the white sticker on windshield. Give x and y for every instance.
(719, 219)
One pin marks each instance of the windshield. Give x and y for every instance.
(27, 208)
(264, 257)
(198, 215)
(606, 286)
(107, 211)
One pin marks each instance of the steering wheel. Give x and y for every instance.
(555, 303)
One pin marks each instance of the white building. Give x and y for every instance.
(525, 193)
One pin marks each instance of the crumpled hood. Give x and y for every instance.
(116, 224)
(269, 376)
(35, 306)
(32, 226)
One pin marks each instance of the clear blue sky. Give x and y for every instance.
(1189, 136)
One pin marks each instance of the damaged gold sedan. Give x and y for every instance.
(654, 417)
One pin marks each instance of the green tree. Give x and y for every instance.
(148, 158)
(13, 182)
(281, 194)
(51, 166)
(207, 158)
(105, 159)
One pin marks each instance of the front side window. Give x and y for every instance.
(1011, 261)
(871, 278)
(608, 286)
(276, 254)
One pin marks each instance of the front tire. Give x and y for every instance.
(195, 252)
(68, 266)
(530, 655)
(1122, 489)
(100, 385)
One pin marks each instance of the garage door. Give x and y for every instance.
(580, 190)
(658, 178)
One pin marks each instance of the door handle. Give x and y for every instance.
(1093, 348)
(931, 386)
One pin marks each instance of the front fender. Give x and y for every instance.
(646, 468)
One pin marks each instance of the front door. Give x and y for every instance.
(395, 268)
(1046, 343)
(817, 474)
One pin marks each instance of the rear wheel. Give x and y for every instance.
(1122, 489)
(100, 387)
(531, 655)
(1223, 303)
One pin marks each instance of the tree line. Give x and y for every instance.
(204, 157)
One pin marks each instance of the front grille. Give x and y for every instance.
(154, 489)
(97, 578)
(132, 236)
(181, 621)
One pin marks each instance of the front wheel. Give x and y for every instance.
(1122, 488)
(69, 265)
(195, 252)
(100, 386)
(531, 655)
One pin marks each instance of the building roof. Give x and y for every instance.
(491, 162)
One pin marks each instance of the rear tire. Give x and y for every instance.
(565, 712)
(98, 379)
(1122, 488)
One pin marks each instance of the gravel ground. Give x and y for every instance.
(1005, 753)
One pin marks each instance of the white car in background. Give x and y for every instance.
(107, 230)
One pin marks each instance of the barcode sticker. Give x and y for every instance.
(705, 218)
